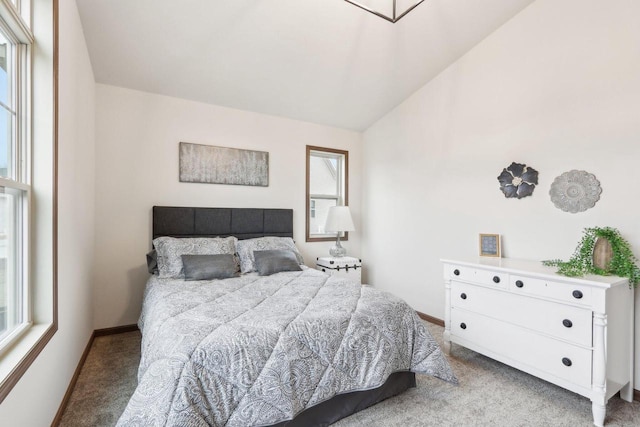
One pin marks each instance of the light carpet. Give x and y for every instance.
(490, 394)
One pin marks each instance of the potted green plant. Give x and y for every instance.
(622, 263)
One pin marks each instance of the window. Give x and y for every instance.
(15, 42)
(327, 185)
(28, 184)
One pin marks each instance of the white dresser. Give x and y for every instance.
(574, 332)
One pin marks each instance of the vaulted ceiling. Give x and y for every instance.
(322, 61)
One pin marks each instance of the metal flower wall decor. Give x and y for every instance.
(518, 180)
(575, 191)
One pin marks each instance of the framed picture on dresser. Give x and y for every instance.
(489, 245)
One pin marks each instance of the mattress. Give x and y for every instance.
(257, 351)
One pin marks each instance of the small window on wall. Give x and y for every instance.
(327, 185)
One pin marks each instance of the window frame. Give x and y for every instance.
(328, 237)
(35, 74)
(18, 178)
(22, 252)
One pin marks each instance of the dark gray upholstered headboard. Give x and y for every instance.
(244, 223)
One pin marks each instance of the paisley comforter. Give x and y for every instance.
(252, 351)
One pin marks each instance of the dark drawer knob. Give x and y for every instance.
(463, 295)
(519, 283)
(577, 294)
(567, 323)
(496, 279)
(456, 272)
(463, 326)
(566, 361)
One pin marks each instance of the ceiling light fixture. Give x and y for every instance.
(394, 12)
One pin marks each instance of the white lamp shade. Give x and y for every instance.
(339, 219)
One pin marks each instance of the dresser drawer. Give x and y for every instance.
(480, 276)
(524, 348)
(566, 322)
(575, 294)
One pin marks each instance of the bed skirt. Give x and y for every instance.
(343, 405)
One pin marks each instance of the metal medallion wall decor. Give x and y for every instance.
(518, 180)
(575, 191)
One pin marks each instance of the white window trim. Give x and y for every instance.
(23, 248)
(33, 338)
(16, 25)
(13, 27)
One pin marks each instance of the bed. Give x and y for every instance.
(293, 348)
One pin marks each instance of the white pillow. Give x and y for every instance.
(246, 248)
(171, 249)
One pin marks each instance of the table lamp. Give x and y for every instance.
(339, 220)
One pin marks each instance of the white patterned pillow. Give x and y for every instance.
(246, 248)
(171, 249)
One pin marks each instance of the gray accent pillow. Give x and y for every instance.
(274, 261)
(152, 262)
(170, 249)
(247, 247)
(208, 267)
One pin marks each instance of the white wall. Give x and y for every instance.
(557, 88)
(34, 401)
(137, 136)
